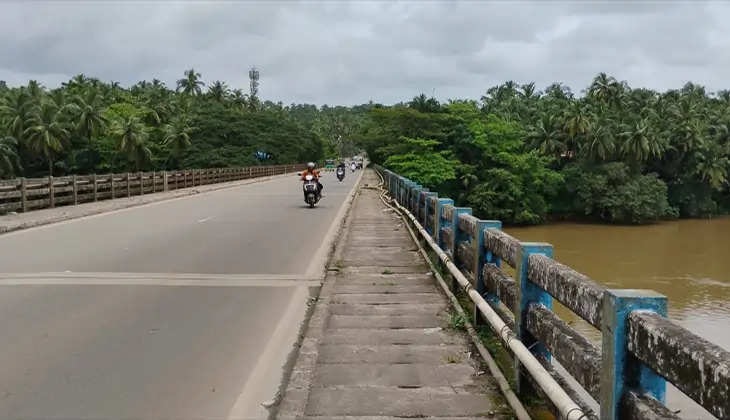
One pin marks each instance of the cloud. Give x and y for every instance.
(352, 52)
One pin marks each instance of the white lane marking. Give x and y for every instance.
(203, 220)
(263, 382)
(156, 279)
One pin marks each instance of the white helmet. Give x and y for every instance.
(310, 165)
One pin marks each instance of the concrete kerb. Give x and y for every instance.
(295, 389)
(123, 203)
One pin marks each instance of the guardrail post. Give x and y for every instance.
(154, 181)
(422, 202)
(96, 187)
(415, 201)
(412, 194)
(407, 185)
(51, 195)
(23, 195)
(111, 182)
(75, 189)
(621, 370)
(141, 184)
(129, 187)
(415, 195)
(528, 292)
(164, 181)
(440, 203)
(458, 236)
(481, 257)
(427, 204)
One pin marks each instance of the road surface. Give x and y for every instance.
(183, 309)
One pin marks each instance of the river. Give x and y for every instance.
(686, 260)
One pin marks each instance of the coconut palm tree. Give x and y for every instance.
(640, 143)
(191, 83)
(35, 90)
(46, 132)
(131, 136)
(546, 135)
(177, 136)
(218, 91)
(600, 144)
(603, 87)
(9, 160)
(15, 109)
(89, 114)
(239, 98)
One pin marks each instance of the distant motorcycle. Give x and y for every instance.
(340, 173)
(353, 167)
(311, 194)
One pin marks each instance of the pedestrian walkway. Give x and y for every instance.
(379, 342)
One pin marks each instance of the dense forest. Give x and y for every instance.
(524, 156)
(89, 126)
(614, 153)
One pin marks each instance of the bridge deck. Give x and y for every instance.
(379, 343)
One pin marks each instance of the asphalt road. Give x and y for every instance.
(123, 330)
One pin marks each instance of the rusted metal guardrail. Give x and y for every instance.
(641, 349)
(26, 194)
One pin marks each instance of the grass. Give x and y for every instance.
(457, 321)
(387, 271)
(453, 358)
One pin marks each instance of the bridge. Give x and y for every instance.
(186, 302)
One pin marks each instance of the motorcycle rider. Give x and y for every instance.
(311, 171)
(341, 169)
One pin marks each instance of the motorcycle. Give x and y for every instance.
(352, 167)
(311, 194)
(340, 173)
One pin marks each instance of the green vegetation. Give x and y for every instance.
(88, 126)
(457, 321)
(615, 154)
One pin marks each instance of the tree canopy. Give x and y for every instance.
(519, 154)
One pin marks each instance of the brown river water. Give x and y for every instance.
(686, 260)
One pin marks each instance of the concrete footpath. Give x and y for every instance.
(378, 344)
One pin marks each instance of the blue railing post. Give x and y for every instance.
(481, 257)
(437, 217)
(421, 201)
(427, 204)
(528, 292)
(621, 370)
(456, 232)
(415, 194)
(407, 185)
(409, 198)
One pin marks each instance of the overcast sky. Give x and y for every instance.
(351, 52)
